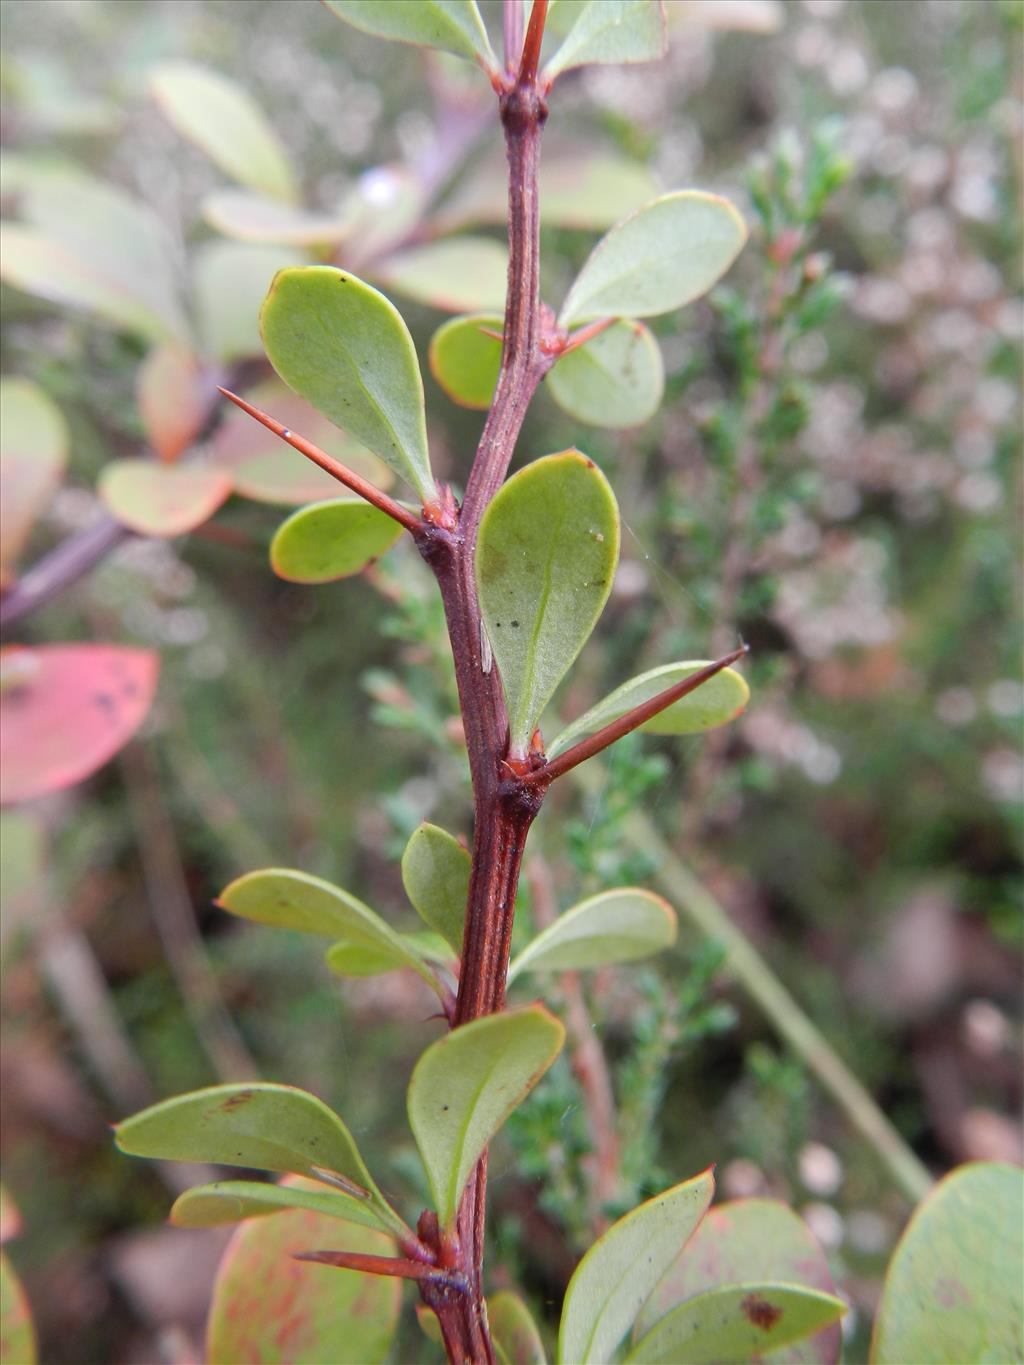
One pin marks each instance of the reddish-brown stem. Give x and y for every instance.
(378, 1265)
(618, 729)
(331, 466)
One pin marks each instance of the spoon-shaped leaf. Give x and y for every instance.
(612, 31)
(516, 1336)
(33, 452)
(225, 122)
(745, 1240)
(619, 1271)
(358, 959)
(954, 1286)
(718, 701)
(331, 540)
(252, 218)
(739, 1323)
(546, 556)
(616, 380)
(450, 25)
(664, 255)
(435, 874)
(270, 1307)
(465, 1086)
(295, 900)
(614, 926)
(172, 396)
(160, 499)
(268, 1127)
(229, 1201)
(344, 347)
(465, 360)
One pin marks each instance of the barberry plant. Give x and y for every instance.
(524, 565)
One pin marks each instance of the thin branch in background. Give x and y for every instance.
(171, 906)
(587, 1059)
(61, 569)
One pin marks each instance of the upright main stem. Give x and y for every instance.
(503, 807)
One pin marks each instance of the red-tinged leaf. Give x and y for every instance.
(267, 470)
(65, 710)
(172, 399)
(33, 452)
(157, 500)
(271, 1309)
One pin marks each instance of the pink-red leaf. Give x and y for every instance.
(172, 399)
(65, 710)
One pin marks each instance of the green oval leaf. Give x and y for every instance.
(613, 926)
(231, 281)
(358, 959)
(612, 31)
(225, 122)
(716, 702)
(173, 397)
(738, 1323)
(331, 540)
(955, 1286)
(662, 256)
(750, 1239)
(162, 500)
(465, 1086)
(616, 380)
(229, 1201)
(465, 361)
(295, 900)
(546, 556)
(344, 347)
(266, 469)
(458, 275)
(33, 453)
(17, 1334)
(270, 1309)
(252, 218)
(515, 1334)
(619, 1271)
(435, 874)
(65, 710)
(450, 25)
(267, 1127)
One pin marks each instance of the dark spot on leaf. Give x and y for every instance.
(760, 1312)
(105, 701)
(233, 1101)
(515, 625)
(444, 1109)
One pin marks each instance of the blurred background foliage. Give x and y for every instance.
(834, 477)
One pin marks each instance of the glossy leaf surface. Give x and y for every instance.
(465, 360)
(17, 1334)
(714, 703)
(159, 499)
(225, 122)
(435, 874)
(331, 540)
(613, 926)
(33, 453)
(745, 1240)
(612, 31)
(955, 1285)
(459, 275)
(253, 218)
(172, 398)
(231, 282)
(229, 1201)
(546, 556)
(263, 1126)
(295, 900)
(616, 380)
(464, 1087)
(619, 1271)
(515, 1334)
(65, 710)
(266, 469)
(577, 189)
(662, 256)
(344, 347)
(450, 25)
(270, 1309)
(738, 1323)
